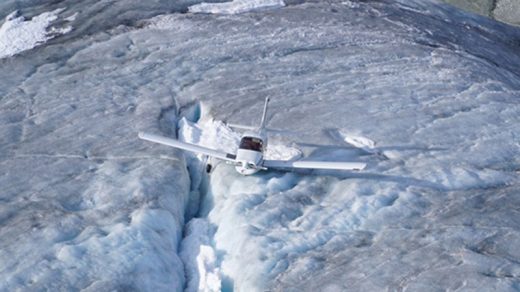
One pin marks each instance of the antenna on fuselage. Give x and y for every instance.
(264, 114)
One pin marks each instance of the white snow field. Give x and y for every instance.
(18, 35)
(427, 95)
(235, 6)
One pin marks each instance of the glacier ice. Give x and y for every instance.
(425, 94)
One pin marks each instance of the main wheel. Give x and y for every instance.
(208, 168)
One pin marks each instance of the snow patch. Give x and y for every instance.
(199, 257)
(282, 152)
(235, 7)
(358, 141)
(209, 133)
(18, 35)
(350, 4)
(72, 17)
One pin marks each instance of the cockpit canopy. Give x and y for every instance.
(251, 143)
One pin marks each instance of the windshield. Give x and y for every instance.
(250, 143)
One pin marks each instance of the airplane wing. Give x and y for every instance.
(187, 146)
(314, 164)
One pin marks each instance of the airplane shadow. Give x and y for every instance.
(367, 176)
(407, 181)
(320, 147)
(371, 155)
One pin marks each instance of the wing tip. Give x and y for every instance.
(361, 166)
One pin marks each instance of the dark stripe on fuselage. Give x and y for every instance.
(231, 156)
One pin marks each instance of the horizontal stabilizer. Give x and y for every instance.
(242, 127)
(314, 164)
(187, 146)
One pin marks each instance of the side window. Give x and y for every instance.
(258, 145)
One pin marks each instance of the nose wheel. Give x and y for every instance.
(208, 167)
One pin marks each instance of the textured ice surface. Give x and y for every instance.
(426, 95)
(84, 204)
(427, 109)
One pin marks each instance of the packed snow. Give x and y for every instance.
(235, 6)
(18, 35)
(200, 259)
(426, 95)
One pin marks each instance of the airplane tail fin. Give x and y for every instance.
(264, 114)
(252, 128)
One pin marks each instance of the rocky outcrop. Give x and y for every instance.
(507, 11)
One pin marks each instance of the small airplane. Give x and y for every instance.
(249, 158)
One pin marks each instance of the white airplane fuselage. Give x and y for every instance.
(250, 153)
